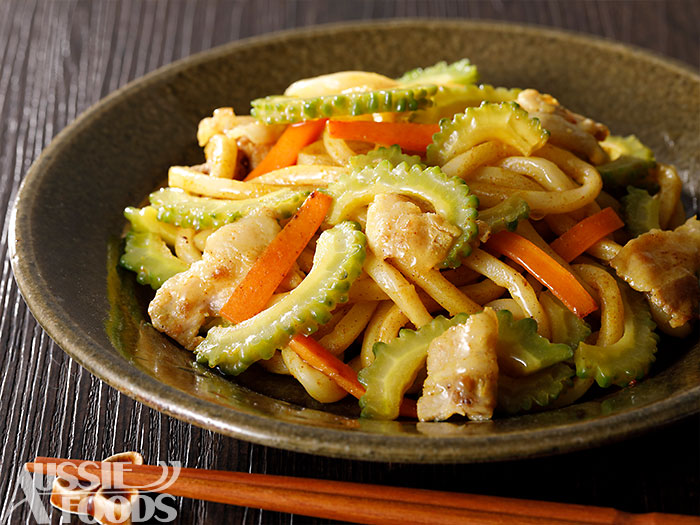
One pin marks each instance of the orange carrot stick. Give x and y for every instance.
(325, 362)
(409, 136)
(254, 291)
(586, 233)
(546, 270)
(286, 150)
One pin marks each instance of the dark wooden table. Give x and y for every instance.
(59, 57)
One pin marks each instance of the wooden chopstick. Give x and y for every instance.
(355, 502)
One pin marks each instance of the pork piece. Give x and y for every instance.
(185, 301)
(253, 151)
(462, 371)
(221, 120)
(253, 138)
(398, 228)
(665, 264)
(567, 129)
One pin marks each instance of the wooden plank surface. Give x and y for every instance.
(59, 57)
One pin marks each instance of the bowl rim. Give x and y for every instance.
(297, 436)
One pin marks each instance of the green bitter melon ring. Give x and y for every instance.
(506, 122)
(178, 207)
(460, 72)
(340, 253)
(396, 365)
(280, 109)
(147, 254)
(449, 197)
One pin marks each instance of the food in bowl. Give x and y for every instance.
(432, 246)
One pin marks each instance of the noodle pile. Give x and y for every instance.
(502, 321)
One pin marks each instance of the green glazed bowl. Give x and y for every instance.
(68, 218)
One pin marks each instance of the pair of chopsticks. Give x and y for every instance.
(354, 502)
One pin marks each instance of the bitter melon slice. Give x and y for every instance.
(178, 207)
(147, 254)
(146, 220)
(630, 165)
(640, 211)
(393, 154)
(631, 356)
(449, 100)
(395, 367)
(280, 109)
(506, 122)
(521, 350)
(449, 197)
(539, 389)
(442, 73)
(506, 214)
(340, 253)
(566, 326)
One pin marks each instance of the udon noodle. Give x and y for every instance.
(475, 250)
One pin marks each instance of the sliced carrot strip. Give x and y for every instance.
(255, 290)
(322, 360)
(546, 270)
(286, 150)
(409, 136)
(586, 233)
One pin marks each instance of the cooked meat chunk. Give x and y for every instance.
(665, 264)
(462, 371)
(254, 152)
(397, 228)
(185, 301)
(567, 129)
(221, 120)
(253, 138)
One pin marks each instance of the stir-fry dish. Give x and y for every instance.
(431, 246)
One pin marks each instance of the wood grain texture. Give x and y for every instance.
(59, 57)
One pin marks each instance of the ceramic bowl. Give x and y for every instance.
(68, 219)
